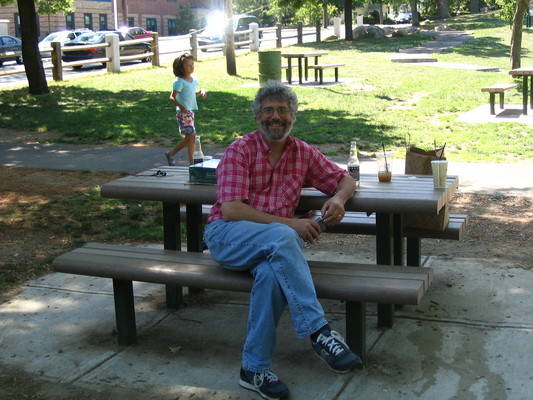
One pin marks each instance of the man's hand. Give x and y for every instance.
(307, 229)
(333, 210)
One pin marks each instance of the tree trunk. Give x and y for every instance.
(381, 13)
(444, 9)
(348, 20)
(325, 19)
(474, 6)
(231, 64)
(414, 13)
(522, 7)
(33, 64)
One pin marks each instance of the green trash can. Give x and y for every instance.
(269, 66)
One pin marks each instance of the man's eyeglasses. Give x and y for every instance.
(269, 111)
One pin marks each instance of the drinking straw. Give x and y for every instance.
(385, 155)
(442, 152)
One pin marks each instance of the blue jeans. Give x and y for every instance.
(273, 253)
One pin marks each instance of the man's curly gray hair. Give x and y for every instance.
(275, 90)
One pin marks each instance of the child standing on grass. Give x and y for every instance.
(184, 95)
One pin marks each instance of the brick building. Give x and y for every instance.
(155, 15)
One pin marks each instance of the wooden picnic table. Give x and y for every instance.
(404, 194)
(303, 62)
(525, 73)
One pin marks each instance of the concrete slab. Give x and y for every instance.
(470, 338)
(483, 68)
(422, 50)
(511, 113)
(412, 58)
(61, 328)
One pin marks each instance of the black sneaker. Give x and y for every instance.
(330, 348)
(265, 383)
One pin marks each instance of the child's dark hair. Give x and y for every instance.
(177, 66)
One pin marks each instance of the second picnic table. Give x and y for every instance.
(525, 73)
(303, 62)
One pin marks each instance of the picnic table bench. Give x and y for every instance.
(500, 88)
(319, 70)
(360, 223)
(353, 283)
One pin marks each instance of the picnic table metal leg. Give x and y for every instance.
(356, 328)
(289, 70)
(531, 92)
(413, 252)
(194, 233)
(300, 69)
(398, 240)
(172, 241)
(492, 97)
(124, 312)
(385, 256)
(524, 95)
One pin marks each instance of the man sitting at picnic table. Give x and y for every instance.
(251, 227)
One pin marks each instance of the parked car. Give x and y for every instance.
(403, 18)
(8, 45)
(213, 33)
(99, 52)
(61, 37)
(136, 31)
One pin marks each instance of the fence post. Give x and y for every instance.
(112, 52)
(194, 43)
(57, 68)
(300, 29)
(254, 36)
(155, 49)
(318, 30)
(278, 35)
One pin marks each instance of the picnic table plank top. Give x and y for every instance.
(404, 194)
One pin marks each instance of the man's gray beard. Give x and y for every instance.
(264, 129)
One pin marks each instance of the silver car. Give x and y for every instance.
(59, 36)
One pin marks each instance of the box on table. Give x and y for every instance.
(204, 172)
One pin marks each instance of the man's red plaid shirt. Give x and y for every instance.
(245, 173)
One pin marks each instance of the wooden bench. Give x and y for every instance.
(498, 88)
(355, 284)
(361, 224)
(319, 70)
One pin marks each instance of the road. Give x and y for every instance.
(169, 48)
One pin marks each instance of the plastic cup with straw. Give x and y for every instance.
(384, 165)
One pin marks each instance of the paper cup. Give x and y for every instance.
(439, 168)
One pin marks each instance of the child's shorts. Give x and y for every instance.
(186, 122)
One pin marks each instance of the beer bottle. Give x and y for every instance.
(353, 162)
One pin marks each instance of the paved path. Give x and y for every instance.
(512, 179)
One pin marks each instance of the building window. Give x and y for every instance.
(103, 21)
(151, 24)
(69, 21)
(88, 21)
(172, 27)
(131, 21)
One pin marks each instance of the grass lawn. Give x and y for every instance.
(382, 102)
